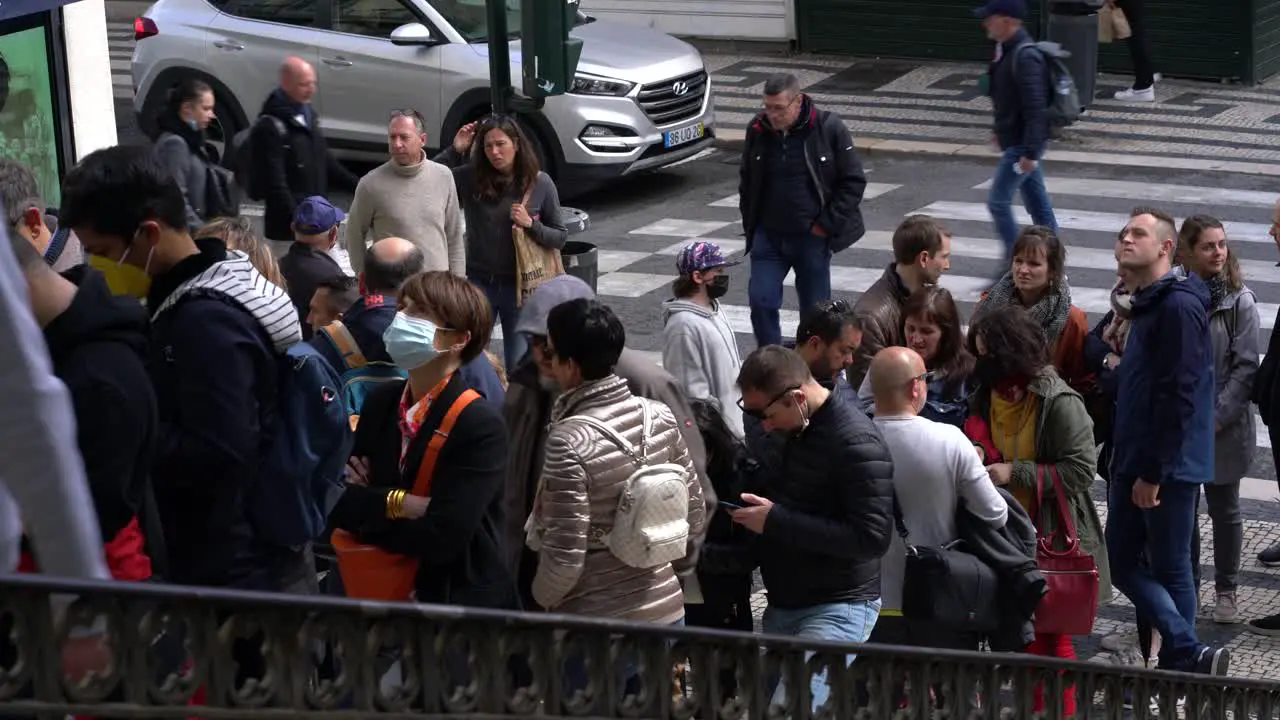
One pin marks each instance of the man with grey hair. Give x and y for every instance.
(25, 211)
(410, 196)
(799, 192)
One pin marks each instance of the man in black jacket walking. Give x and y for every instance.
(297, 164)
(828, 516)
(799, 191)
(1019, 79)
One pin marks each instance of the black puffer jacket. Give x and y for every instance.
(833, 508)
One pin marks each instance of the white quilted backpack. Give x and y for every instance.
(651, 525)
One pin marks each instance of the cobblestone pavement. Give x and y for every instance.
(940, 104)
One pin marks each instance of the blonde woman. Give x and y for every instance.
(237, 232)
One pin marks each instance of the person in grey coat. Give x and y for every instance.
(1233, 327)
(181, 146)
(699, 347)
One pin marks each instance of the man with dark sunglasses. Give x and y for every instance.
(821, 503)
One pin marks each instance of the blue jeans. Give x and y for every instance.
(1000, 201)
(501, 292)
(628, 677)
(771, 259)
(843, 622)
(1160, 589)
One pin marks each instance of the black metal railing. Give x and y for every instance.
(148, 651)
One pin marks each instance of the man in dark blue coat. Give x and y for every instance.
(1163, 441)
(1019, 82)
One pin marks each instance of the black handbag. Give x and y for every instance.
(947, 586)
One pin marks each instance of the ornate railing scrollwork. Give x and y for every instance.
(94, 649)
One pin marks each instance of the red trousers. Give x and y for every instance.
(1054, 646)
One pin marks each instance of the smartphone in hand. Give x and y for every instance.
(730, 506)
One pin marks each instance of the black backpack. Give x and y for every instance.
(239, 157)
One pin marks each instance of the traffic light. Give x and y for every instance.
(549, 57)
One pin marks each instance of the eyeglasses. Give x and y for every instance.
(839, 307)
(780, 107)
(760, 413)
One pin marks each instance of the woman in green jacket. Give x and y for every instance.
(1029, 424)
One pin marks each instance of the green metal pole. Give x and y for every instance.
(499, 55)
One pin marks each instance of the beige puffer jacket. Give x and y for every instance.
(582, 476)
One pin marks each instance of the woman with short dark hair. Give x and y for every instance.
(427, 468)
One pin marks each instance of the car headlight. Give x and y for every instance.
(588, 85)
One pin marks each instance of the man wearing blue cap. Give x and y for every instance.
(308, 262)
(1019, 85)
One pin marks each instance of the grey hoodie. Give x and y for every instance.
(700, 350)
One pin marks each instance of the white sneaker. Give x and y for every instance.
(1224, 610)
(1148, 95)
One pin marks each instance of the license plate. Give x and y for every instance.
(683, 135)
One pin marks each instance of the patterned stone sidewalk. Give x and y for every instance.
(908, 106)
(1252, 656)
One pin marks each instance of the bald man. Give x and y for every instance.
(290, 154)
(934, 467)
(390, 262)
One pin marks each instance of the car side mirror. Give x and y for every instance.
(412, 34)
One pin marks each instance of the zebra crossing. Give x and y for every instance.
(120, 50)
(640, 268)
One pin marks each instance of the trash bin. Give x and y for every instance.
(581, 260)
(1074, 26)
(574, 220)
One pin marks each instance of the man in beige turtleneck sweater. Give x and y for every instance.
(409, 197)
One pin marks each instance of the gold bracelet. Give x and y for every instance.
(392, 511)
(400, 504)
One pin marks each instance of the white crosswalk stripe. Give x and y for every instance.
(1089, 234)
(120, 48)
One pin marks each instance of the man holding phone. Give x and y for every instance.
(828, 517)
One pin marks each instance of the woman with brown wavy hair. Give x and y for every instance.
(1234, 323)
(501, 187)
(931, 326)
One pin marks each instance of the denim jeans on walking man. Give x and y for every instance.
(841, 622)
(1161, 589)
(1009, 179)
(772, 257)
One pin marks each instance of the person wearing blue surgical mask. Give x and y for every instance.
(426, 475)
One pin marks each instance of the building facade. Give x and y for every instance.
(56, 103)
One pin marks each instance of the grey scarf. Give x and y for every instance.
(1050, 312)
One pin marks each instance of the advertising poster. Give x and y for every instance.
(27, 131)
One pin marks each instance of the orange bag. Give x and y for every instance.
(371, 573)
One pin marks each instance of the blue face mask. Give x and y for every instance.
(411, 341)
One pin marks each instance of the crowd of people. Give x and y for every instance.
(576, 476)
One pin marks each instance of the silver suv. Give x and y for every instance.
(641, 99)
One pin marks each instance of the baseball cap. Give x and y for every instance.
(700, 256)
(1010, 8)
(316, 215)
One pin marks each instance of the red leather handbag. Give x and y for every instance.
(1071, 605)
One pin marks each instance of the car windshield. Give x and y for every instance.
(470, 18)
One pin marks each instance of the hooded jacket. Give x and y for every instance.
(217, 329)
(296, 166)
(98, 346)
(1165, 389)
(700, 351)
(834, 172)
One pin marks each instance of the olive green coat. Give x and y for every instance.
(1064, 438)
